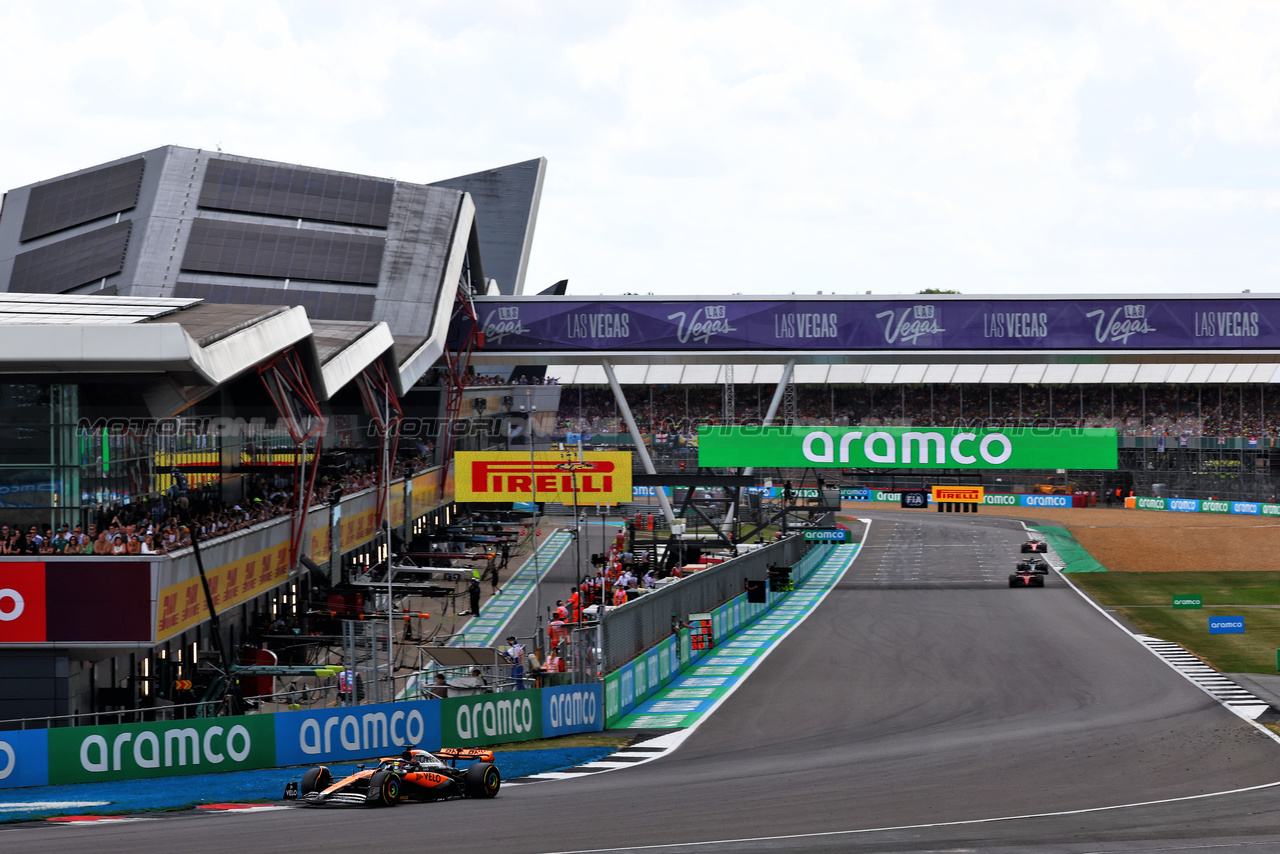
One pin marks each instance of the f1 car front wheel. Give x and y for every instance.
(483, 780)
(315, 780)
(384, 789)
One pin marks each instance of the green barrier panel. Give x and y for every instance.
(486, 719)
(1074, 554)
(161, 749)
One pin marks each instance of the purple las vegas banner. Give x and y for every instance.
(807, 324)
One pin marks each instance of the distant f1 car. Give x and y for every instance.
(1033, 564)
(1034, 546)
(1026, 578)
(415, 775)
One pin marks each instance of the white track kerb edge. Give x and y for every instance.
(1058, 565)
(671, 741)
(996, 819)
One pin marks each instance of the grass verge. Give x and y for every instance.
(580, 740)
(1145, 600)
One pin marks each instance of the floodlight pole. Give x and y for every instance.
(726, 527)
(183, 503)
(533, 487)
(386, 527)
(636, 437)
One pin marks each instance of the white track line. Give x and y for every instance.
(899, 828)
(643, 753)
(1160, 648)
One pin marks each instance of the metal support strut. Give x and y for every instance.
(290, 391)
(637, 437)
(779, 393)
(384, 407)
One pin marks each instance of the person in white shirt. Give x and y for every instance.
(515, 655)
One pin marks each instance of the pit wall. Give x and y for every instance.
(308, 737)
(641, 678)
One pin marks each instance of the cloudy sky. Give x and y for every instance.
(1024, 146)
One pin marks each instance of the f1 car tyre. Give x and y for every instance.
(384, 789)
(315, 780)
(482, 781)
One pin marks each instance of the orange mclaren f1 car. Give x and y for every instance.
(415, 775)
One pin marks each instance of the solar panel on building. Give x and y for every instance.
(348, 306)
(294, 191)
(70, 263)
(81, 198)
(249, 249)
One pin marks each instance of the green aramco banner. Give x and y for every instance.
(909, 447)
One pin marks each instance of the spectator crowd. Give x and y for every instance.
(1133, 410)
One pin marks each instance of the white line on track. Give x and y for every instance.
(1170, 664)
(672, 740)
(968, 822)
(865, 830)
(23, 806)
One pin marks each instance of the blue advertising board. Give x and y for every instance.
(1045, 500)
(572, 708)
(1184, 505)
(24, 758)
(1226, 625)
(356, 732)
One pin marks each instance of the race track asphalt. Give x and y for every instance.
(923, 692)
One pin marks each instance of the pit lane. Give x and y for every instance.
(919, 708)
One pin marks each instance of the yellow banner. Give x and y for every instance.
(182, 605)
(357, 529)
(321, 544)
(601, 476)
(961, 494)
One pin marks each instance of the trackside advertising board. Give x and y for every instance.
(356, 732)
(24, 758)
(161, 749)
(485, 719)
(909, 447)
(600, 477)
(309, 737)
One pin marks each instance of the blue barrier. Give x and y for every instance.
(24, 758)
(355, 732)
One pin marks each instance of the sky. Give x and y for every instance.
(716, 147)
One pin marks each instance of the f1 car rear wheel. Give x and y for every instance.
(482, 781)
(315, 780)
(384, 789)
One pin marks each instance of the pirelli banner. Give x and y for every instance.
(599, 477)
(959, 494)
(909, 447)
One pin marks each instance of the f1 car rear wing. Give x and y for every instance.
(467, 754)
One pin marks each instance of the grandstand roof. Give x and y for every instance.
(196, 344)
